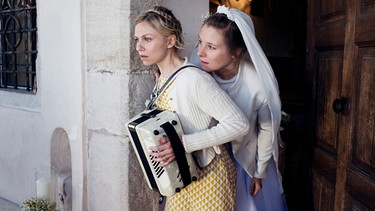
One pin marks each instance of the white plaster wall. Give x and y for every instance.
(28, 121)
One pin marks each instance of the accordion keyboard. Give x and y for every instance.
(158, 170)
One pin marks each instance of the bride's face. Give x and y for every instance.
(213, 52)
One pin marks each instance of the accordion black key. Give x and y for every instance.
(145, 130)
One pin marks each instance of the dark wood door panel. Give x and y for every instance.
(328, 89)
(330, 23)
(361, 187)
(366, 6)
(365, 30)
(343, 65)
(363, 140)
(330, 36)
(329, 11)
(325, 164)
(324, 192)
(352, 203)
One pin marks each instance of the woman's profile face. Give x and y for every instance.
(212, 50)
(150, 44)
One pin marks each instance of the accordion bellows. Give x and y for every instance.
(145, 130)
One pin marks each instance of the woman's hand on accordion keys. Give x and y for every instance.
(162, 153)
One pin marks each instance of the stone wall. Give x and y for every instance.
(117, 86)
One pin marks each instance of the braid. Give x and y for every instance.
(163, 20)
(170, 20)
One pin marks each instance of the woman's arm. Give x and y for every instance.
(213, 101)
(265, 143)
(204, 98)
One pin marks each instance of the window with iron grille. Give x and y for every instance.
(18, 34)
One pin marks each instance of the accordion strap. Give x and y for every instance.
(156, 93)
(179, 152)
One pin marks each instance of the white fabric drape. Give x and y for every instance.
(260, 61)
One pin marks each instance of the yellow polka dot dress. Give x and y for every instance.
(215, 188)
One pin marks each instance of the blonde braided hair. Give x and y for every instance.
(163, 21)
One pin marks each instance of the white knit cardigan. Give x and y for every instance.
(207, 114)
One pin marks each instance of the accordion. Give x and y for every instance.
(145, 130)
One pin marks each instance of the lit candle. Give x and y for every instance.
(43, 188)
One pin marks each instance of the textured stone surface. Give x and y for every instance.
(141, 197)
(118, 85)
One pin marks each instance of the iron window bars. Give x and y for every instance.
(18, 34)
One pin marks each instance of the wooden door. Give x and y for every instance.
(341, 65)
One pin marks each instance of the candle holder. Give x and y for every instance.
(43, 185)
(43, 200)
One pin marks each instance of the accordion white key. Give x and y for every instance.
(145, 130)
